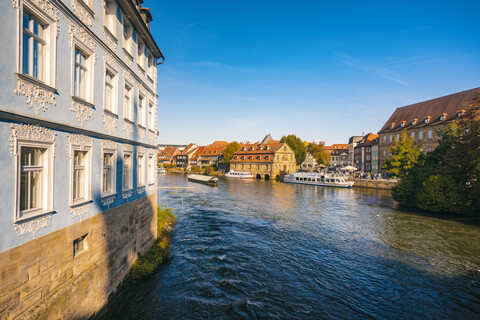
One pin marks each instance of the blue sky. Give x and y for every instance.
(323, 70)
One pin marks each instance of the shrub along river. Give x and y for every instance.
(266, 249)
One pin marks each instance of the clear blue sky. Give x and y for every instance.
(323, 70)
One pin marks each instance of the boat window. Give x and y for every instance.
(296, 178)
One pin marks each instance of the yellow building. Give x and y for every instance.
(265, 160)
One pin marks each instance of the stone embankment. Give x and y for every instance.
(375, 184)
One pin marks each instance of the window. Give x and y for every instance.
(140, 170)
(397, 136)
(81, 75)
(429, 134)
(427, 119)
(384, 139)
(429, 149)
(151, 117)
(412, 134)
(34, 177)
(79, 245)
(368, 149)
(128, 103)
(391, 138)
(402, 124)
(33, 47)
(420, 135)
(413, 122)
(127, 37)
(151, 169)
(127, 171)
(384, 153)
(110, 19)
(367, 157)
(141, 55)
(151, 66)
(108, 172)
(442, 117)
(110, 92)
(80, 176)
(140, 111)
(367, 167)
(459, 114)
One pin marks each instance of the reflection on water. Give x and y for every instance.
(256, 249)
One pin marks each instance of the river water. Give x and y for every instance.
(266, 249)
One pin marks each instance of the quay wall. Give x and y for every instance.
(44, 279)
(375, 184)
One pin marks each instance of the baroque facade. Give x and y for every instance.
(79, 114)
(265, 160)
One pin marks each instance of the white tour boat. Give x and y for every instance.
(319, 179)
(239, 175)
(161, 171)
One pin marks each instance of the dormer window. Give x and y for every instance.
(266, 158)
(235, 157)
(258, 157)
(443, 116)
(427, 120)
(414, 122)
(243, 149)
(392, 125)
(215, 151)
(402, 124)
(460, 113)
(250, 158)
(252, 148)
(243, 157)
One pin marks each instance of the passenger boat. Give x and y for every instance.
(319, 179)
(161, 171)
(211, 181)
(239, 175)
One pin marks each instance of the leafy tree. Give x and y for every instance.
(229, 150)
(462, 160)
(297, 146)
(440, 193)
(404, 192)
(318, 152)
(404, 155)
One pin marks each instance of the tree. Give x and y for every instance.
(318, 152)
(404, 155)
(440, 193)
(462, 160)
(297, 145)
(229, 150)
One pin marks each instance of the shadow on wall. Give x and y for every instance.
(75, 269)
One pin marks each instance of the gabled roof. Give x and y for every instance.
(197, 152)
(168, 152)
(220, 143)
(449, 105)
(368, 140)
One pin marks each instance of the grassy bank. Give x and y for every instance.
(147, 263)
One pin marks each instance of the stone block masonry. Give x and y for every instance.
(71, 272)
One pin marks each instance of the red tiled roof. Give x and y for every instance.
(257, 152)
(450, 105)
(168, 152)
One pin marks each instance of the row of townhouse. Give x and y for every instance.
(78, 115)
(193, 155)
(422, 122)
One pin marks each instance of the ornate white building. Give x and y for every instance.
(78, 117)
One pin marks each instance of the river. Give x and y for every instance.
(266, 249)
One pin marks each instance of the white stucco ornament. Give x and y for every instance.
(80, 210)
(110, 122)
(127, 127)
(38, 98)
(82, 141)
(82, 13)
(84, 111)
(29, 132)
(31, 226)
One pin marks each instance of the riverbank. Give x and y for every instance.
(383, 184)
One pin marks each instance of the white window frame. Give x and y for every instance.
(130, 172)
(113, 93)
(47, 183)
(110, 17)
(141, 110)
(127, 36)
(49, 24)
(391, 138)
(113, 172)
(89, 65)
(140, 169)
(430, 134)
(151, 66)
(128, 107)
(412, 134)
(151, 168)
(151, 116)
(420, 135)
(141, 55)
(88, 173)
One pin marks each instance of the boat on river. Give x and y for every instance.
(211, 181)
(161, 171)
(319, 179)
(239, 175)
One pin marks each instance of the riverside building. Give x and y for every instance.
(422, 121)
(78, 118)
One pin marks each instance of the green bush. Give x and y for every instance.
(147, 263)
(440, 193)
(404, 192)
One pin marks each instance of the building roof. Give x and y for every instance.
(257, 152)
(220, 143)
(368, 140)
(168, 152)
(197, 152)
(414, 115)
(212, 150)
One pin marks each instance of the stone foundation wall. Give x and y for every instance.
(375, 184)
(43, 278)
